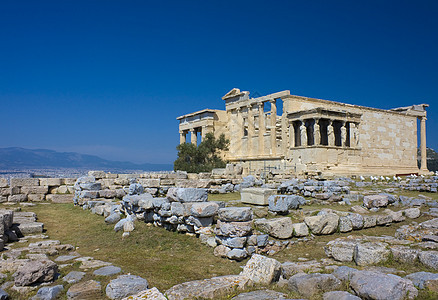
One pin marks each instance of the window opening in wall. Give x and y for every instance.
(323, 123)
(309, 130)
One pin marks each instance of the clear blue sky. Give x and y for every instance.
(110, 77)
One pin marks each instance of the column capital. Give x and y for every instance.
(272, 100)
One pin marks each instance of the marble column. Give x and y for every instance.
(303, 133)
(291, 135)
(240, 128)
(262, 129)
(423, 145)
(251, 129)
(194, 136)
(316, 133)
(330, 133)
(273, 127)
(182, 137)
(343, 134)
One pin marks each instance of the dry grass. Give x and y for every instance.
(164, 258)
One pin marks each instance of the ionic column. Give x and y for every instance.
(250, 129)
(273, 127)
(344, 134)
(291, 135)
(331, 133)
(284, 132)
(182, 137)
(423, 145)
(239, 151)
(262, 129)
(303, 133)
(193, 137)
(317, 132)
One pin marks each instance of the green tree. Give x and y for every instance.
(202, 158)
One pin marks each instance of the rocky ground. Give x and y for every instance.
(335, 240)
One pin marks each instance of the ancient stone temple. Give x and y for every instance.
(300, 135)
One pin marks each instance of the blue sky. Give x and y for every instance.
(110, 77)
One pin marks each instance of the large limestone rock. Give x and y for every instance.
(370, 253)
(404, 254)
(300, 229)
(280, 228)
(233, 229)
(212, 288)
(309, 285)
(48, 293)
(235, 214)
(375, 201)
(187, 195)
(37, 271)
(262, 270)
(125, 285)
(87, 290)
(429, 258)
(419, 278)
(323, 224)
(281, 204)
(341, 249)
(256, 196)
(375, 285)
(204, 209)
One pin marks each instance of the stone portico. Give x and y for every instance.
(313, 136)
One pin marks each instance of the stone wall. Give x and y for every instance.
(61, 190)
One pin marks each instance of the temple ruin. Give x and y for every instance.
(300, 135)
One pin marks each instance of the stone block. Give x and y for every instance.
(233, 229)
(10, 191)
(69, 181)
(36, 197)
(50, 181)
(3, 182)
(256, 196)
(149, 183)
(60, 198)
(375, 201)
(17, 198)
(97, 174)
(300, 229)
(323, 224)
(235, 214)
(24, 182)
(280, 228)
(204, 209)
(34, 190)
(262, 270)
(90, 289)
(370, 253)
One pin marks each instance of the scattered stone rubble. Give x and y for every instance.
(234, 233)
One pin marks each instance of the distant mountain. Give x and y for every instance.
(20, 158)
(432, 159)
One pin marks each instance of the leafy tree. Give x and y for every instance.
(202, 158)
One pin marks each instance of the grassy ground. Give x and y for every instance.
(167, 258)
(164, 258)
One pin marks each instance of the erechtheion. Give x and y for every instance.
(300, 135)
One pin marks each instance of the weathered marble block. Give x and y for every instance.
(257, 196)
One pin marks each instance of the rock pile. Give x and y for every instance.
(233, 229)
